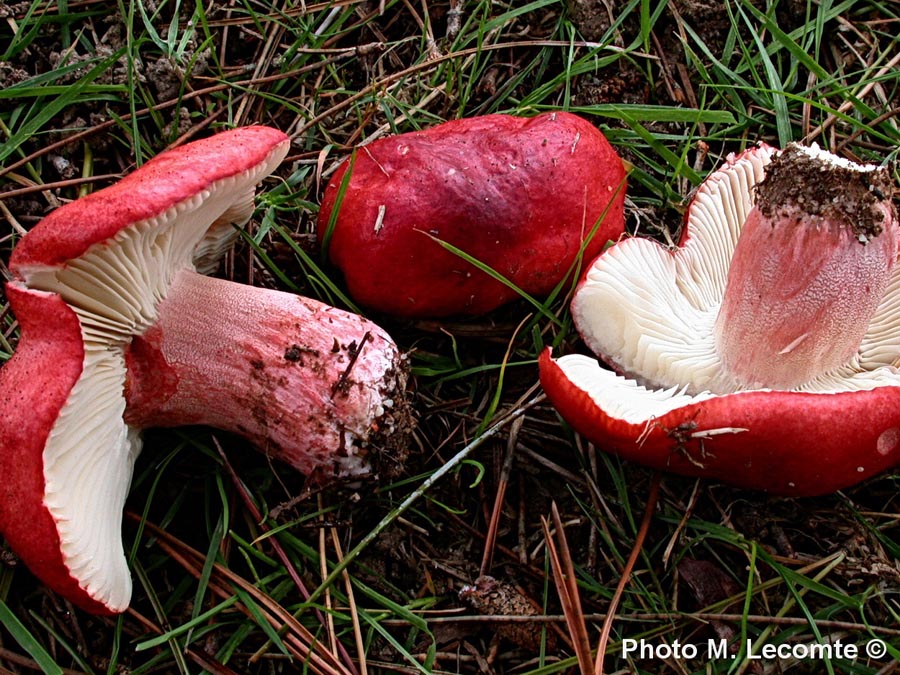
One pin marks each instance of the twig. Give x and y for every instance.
(518, 410)
(626, 573)
(56, 185)
(323, 571)
(375, 87)
(289, 566)
(247, 85)
(25, 662)
(355, 351)
(298, 639)
(567, 588)
(849, 103)
(502, 484)
(354, 610)
(883, 117)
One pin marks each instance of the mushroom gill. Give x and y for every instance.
(784, 291)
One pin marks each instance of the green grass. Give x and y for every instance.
(241, 565)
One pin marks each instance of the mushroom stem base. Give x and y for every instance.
(312, 385)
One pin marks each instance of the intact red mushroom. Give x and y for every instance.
(763, 350)
(119, 332)
(529, 198)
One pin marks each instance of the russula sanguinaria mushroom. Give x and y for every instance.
(763, 350)
(120, 332)
(524, 196)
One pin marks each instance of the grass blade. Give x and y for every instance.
(27, 641)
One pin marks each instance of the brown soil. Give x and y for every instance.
(842, 196)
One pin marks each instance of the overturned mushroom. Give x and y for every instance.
(120, 332)
(763, 350)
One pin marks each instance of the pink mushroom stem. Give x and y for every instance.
(297, 377)
(810, 268)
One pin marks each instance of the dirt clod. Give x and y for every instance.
(844, 196)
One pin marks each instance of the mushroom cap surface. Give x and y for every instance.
(520, 195)
(649, 312)
(783, 442)
(169, 181)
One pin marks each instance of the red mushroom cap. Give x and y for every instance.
(781, 442)
(169, 179)
(520, 195)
